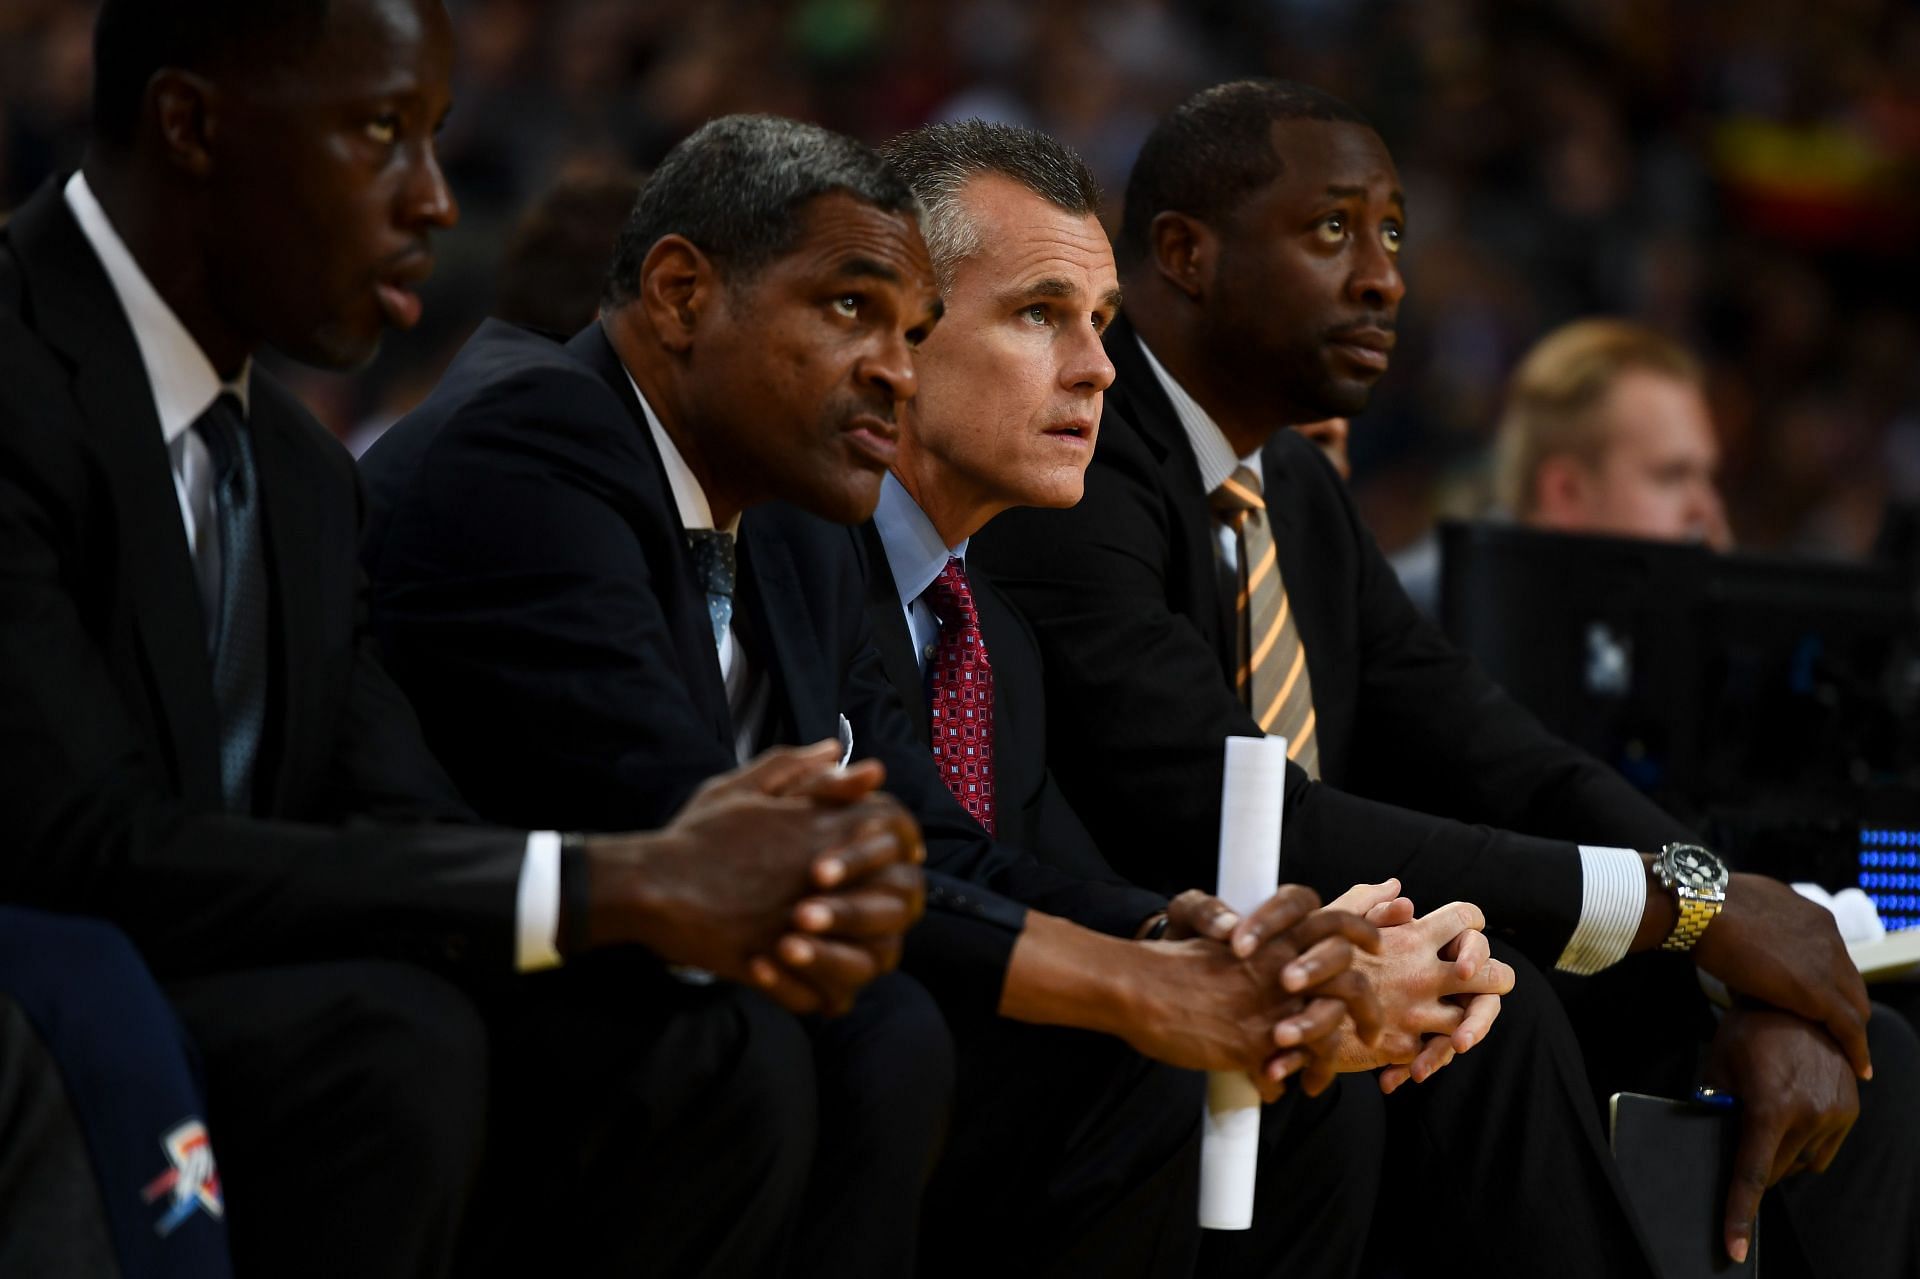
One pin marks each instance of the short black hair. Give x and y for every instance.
(1214, 150)
(555, 263)
(735, 187)
(133, 39)
(937, 160)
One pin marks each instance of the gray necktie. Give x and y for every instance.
(239, 637)
(713, 565)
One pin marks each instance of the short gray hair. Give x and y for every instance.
(937, 160)
(735, 188)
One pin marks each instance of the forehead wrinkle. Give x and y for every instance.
(865, 268)
(1350, 191)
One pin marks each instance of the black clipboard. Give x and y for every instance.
(1676, 1161)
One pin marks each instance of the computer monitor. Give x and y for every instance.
(1773, 702)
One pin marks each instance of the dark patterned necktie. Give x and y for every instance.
(1272, 662)
(714, 568)
(960, 696)
(239, 635)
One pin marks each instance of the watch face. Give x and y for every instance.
(1696, 868)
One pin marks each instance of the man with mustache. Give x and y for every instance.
(1216, 580)
(201, 748)
(594, 541)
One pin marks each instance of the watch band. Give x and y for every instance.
(1695, 914)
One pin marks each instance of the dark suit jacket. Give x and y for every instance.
(1123, 592)
(535, 597)
(111, 798)
(1034, 815)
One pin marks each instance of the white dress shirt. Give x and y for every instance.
(185, 385)
(916, 555)
(747, 695)
(1613, 881)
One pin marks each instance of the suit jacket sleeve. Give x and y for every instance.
(96, 826)
(1138, 711)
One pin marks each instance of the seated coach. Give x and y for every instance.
(201, 748)
(1216, 579)
(1007, 413)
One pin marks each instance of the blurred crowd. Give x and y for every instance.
(1742, 174)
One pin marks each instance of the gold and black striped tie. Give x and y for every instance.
(1272, 663)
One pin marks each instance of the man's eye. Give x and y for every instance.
(847, 306)
(1333, 229)
(384, 129)
(1391, 236)
(1037, 314)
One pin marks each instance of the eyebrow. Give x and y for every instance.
(1354, 193)
(1057, 288)
(867, 269)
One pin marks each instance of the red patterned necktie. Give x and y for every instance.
(960, 696)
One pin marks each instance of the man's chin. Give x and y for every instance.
(849, 499)
(336, 348)
(1341, 397)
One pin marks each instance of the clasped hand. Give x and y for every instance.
(1433, 988)
(787, 874)
(1265, 994)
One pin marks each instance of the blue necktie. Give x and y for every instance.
(239, 643)
(713, 565)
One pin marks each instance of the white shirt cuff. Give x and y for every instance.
(536, 911)
(1613, 898)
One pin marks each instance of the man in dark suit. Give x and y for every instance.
(586, 538)
(1007, 412)
(1258, 255)
(200, 747)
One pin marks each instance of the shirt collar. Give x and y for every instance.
(1210, 448)
(914, 549)
(695, 511)
(181, 376)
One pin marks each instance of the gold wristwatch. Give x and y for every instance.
(1698, 881)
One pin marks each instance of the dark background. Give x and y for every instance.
(1742, 173)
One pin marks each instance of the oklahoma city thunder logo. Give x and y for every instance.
(193, 1183)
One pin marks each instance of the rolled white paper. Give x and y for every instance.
(1251, 794)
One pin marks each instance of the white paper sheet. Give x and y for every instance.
(1251, 795)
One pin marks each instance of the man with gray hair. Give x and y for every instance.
(1011, 387)
(617, 563)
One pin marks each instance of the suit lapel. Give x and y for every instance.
(683, 602)
(806, 688)
(890, 634)
(1143, 401)
(299, 625)
(80, 316)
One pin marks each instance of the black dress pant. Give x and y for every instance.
(1069, 1155)
(644, 1125)
(884, 1078)
(1314, 1194)
(1501, 1156)
(347, 1104)
(1858, 1220)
